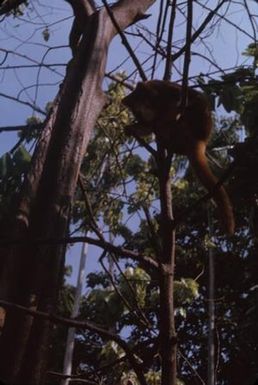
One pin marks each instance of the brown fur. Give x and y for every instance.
(155, 104)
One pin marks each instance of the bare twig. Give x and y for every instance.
(35, 108)
(134, 296)
(117, 250)
(21, 128)
(246, 33)
(192, 367)
(197, 33)
(69, 322)
(158, 37)
(187, 59)
(144, 144)
(169, 62)
(251, 18)
(118, 80)
(125, 41)
(29, 59)
(141, 319)
(72, 378)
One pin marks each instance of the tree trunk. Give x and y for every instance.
(168, 341)
(211, 308)
(34, 270)
(68, 358)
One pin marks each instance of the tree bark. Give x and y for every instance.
(168, 339)
(211, 306)
(69, 348)
(34, 270)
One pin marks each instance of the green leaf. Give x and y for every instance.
(6, 165)
(21, 156)
(230, 97)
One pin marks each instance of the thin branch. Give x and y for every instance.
(157, 50)
(164, 20)
(192, 367)
(125, 42)
(25, 57)
(205, 197)
(187, 59)
(69, 322)
(72, 378)
(117, 250)
(35, 108)
(169, 62)
(254, 27)
(26, 127)
(141, 319)
(197, 33)
(11, 67)
(227, 20)
(4, 58)
(133, 292)
(144, 144)
(118, 80)
(158, 35)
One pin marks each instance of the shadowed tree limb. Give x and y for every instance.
(32, 273)
(69, 322)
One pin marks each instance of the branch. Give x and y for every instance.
(141, 316)
(26, 127)
(205, 197)
(35, 108)
(118, 80)
(192, 367)
(169, 61)
(72, 378)
(187, 58)
(125, 42)
(117, 250)
(197, 33)
(158, 37)
(144, 144)
(69, 322)
(223, 17)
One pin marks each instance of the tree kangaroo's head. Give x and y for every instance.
(154, 99)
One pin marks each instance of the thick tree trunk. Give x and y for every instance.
(34, 271)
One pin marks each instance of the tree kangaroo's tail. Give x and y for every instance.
(199, 162)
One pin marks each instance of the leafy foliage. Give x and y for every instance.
(13, 166)
(118, 198)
